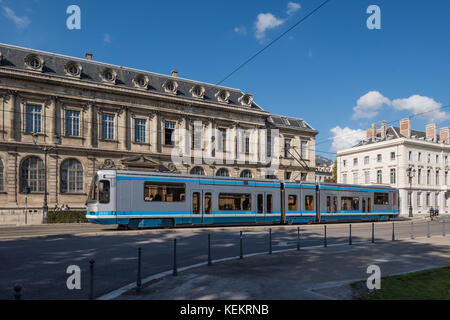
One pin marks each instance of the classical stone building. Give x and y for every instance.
(79, 115)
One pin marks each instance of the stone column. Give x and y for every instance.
(12, 177)
(52, 179)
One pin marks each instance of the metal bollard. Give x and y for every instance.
(175, 269)
(209, 249)
(298, 239)
(350, 235)
(428, 229)
(393, 231)
(139, 280)
(412, 230)
(270, 241)
(325, 244)
(91, 288)
(241, 254)
(373, 232)
(17, 292)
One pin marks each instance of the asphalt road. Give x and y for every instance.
(37, 257)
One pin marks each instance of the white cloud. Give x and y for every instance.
(344, 138)
(20, 22)
(293, 7)
(264, 22)
(417, 104)
(107, 38)
(369, 104)
(240, 30)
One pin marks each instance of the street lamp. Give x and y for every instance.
(411, 173)
(46, 150)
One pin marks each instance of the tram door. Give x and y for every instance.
(207, 206)
(197, 215)
(265, 205)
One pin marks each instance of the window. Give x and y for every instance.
(429, 158)
(208, 203)
(71, 176)
(139, 130)
(410, 155)
(245, 144)
(72, 123)
(196, 203)
(260, 204)
(103, 191)
(369, 205)
(393, 176)
(446, 178)
(303, 149)
(381, 198)
(364, 205)
(344, 178)
(164, 192)
(355, 161)
(269, 144)
(222, 140)
(437, 177)
(419, 199)
(235, 202)
(269, 203)
(428, 199)
(292, 203)
(1, 176)
(198, 171)
(328, 204)
(379, 177)
(344, 163)
(355, 178)
(419, 156)
(436, 200)
(349, 203)
(33, 119)
(366, 160)
(32, 174)
(392, 156)
(196, 133)
(222, 173)
(379, 157)
(446, 159)
(287, 148)
(335, 204)
(107, 126)
(437, 159)
(287, 175)
(419, 176)
(246, 174)
(428, 177)
(309, 203)
(367, 177)
(169, 128)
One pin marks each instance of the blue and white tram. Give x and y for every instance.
(135, 199)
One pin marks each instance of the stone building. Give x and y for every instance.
(389, 154)
(79, 115)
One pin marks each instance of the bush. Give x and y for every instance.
(66, 217)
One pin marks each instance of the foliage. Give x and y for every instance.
(66, 217)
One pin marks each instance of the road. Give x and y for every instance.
(37, 257)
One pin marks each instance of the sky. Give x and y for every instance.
(332, 70)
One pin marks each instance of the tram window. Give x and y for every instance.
(164, 192)
(208, 203)
(335, 204)
(292, 202)
(103, 191)
(260, 203)
(234, 202)
(309, 203)
(349, 203)
(328, 204)
(196, 203)
(381, 198)
(364, 205)
(369, 205)
(269, 203)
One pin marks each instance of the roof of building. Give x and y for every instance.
(288, 123)
(14, 58)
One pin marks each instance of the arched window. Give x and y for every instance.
(71, 176)
(1, 175)
(246, 174)
(223, 173)
(198, 171)
(32, 174)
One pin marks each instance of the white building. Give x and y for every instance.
(386, 156)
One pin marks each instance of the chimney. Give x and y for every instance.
(88, 56)
(445, 135)
(405, 127)
(174, 73)
(431, 131)
(369, 134)
(383, 129)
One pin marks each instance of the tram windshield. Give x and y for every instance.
(100, 191)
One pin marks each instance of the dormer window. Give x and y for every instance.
(34, 62)
(223, 96)
(109, 75)
(141, 81)
(73, 69)
(198, 91)
(246, 100)
(170, 86)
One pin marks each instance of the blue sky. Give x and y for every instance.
(331, 70)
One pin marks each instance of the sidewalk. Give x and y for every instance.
(312, 273)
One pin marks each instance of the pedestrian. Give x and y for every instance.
(431, 213)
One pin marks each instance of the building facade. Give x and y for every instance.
(63, 118)
(415, 162)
